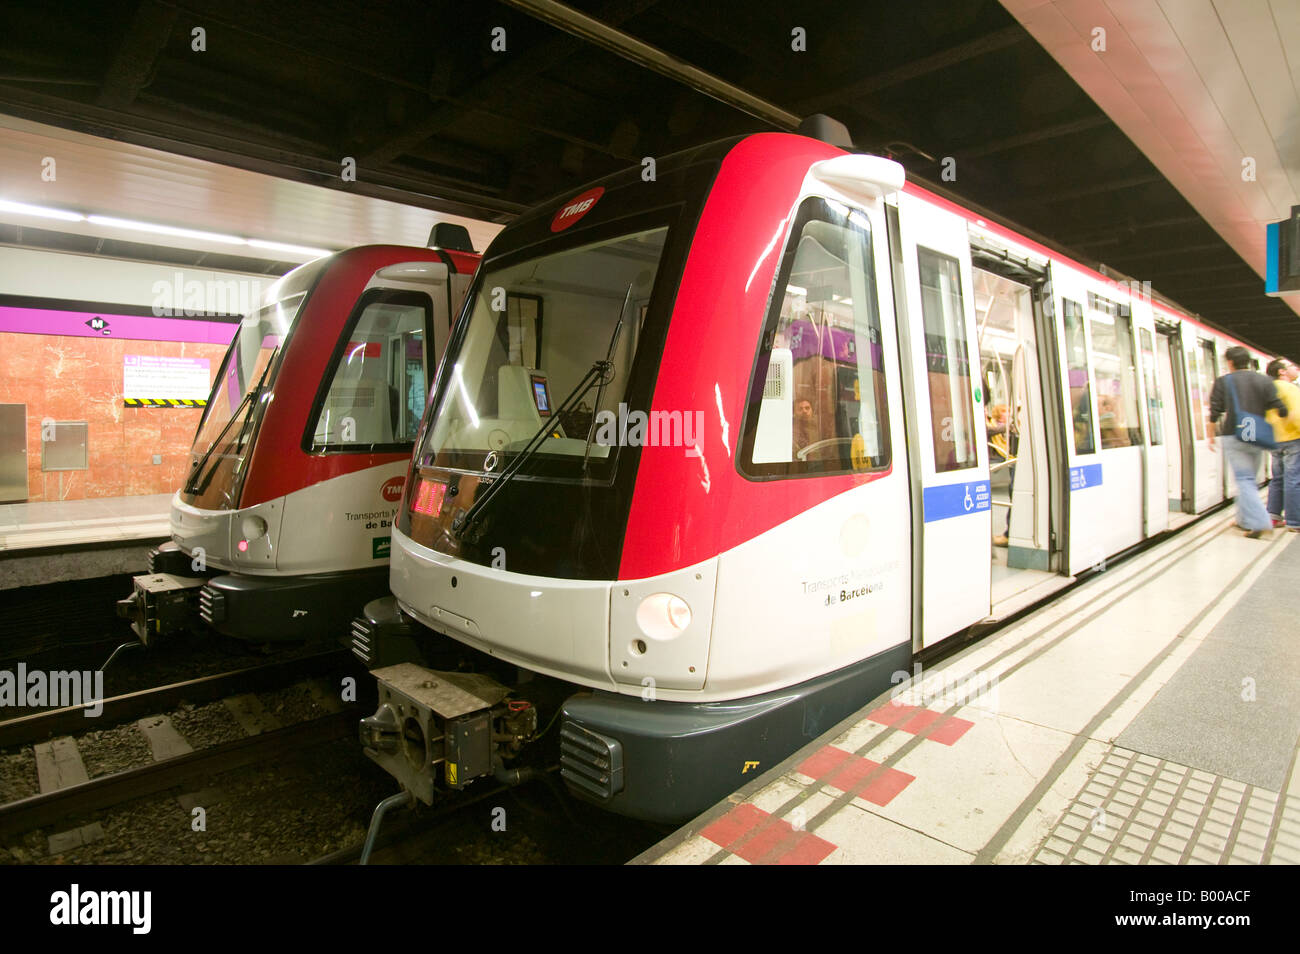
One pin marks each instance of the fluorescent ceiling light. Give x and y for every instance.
(22, 208)
(165, 230)
(292, 249)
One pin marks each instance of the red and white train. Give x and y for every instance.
(283, 525)
(711, 457)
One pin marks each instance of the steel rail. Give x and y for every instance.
(39, 726)
(38, 811)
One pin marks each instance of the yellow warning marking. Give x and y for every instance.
(748, 766)
(163, 402)
(451, 773)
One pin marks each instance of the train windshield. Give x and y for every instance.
(546, 353)
(224, 433)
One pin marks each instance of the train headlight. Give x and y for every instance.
(663, 615)
(253, 527)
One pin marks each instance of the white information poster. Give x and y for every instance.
(152, 377)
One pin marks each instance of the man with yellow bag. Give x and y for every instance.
(1284, 487)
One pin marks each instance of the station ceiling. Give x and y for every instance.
(434, 116)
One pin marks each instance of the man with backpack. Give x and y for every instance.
(1238, 403)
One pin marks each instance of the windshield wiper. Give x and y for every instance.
(600, 392)
(199, 481)
(597, 372)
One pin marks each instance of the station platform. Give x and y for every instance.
(1149, 716)
(58, 523)
(54, 541)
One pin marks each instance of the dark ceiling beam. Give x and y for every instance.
(1100, 188)
(1219, 246)
(1034, 136)
(861, 89)
(1215, 286)
(137, 55)
(1226, 266)
(295, 40)
(517, 70)
(1109, 232)
(601, 34)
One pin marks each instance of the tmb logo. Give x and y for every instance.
(575, 209)
(392, 489)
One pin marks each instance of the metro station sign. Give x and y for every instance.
(1282, 276)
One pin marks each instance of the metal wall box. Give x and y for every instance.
(67, 447)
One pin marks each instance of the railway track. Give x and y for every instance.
(39, 726)
(97, 794)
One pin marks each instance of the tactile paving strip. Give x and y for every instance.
(1138, 809)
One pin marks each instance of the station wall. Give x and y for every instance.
(76, 334)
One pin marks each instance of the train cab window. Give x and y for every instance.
(952, 414)
(1076, 363)
(1118, 414)
(508, 380)
(377, 386)
(818, 401)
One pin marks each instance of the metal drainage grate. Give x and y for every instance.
(589, 762)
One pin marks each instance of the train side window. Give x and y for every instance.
(1076, 361)
(1155, 403)
(947, 361)
(817, 398)
(377, 386)
(1118, 413)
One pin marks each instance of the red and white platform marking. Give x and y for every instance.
(953, 776)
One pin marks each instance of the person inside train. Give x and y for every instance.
(1284, 487)
(1004, 440)
(1243, 391)
(805, 426)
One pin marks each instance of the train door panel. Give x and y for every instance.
(1154, 449)
(1173, 415)
(1088, 509)
(1208, 473)
(942, 351)
(1120, 428)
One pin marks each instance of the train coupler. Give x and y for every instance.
(161, 604)
(436, 730)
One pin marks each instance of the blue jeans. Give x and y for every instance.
(1243, 461)
(1284, 488)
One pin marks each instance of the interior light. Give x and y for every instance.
(292, 249)
(164, 230)
(22, 208)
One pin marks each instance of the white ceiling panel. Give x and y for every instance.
(107, 177)
(1198, 85)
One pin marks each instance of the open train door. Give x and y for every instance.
(941, 351)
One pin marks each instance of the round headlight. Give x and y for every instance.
(663, 615)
